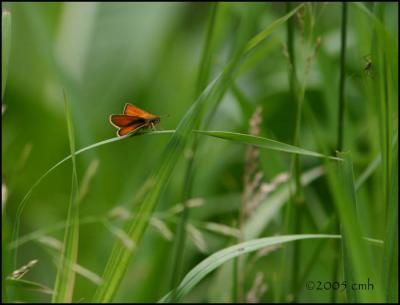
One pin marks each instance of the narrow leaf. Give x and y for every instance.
(64, 285)
(29, 285)
(391, 249)
(263, 143)
(217, 259)
(356, 255)
(267, 31)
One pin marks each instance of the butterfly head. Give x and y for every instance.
(156, 120)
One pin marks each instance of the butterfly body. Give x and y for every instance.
(133, 119)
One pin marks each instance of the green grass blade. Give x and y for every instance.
(391, 249)
(384, 56)
(207, 54)
(215, 260)
(346, 176)
(342, 105)
(377, 23)
(5, 55)
(368, 171)
(339, 143)
(30, 285)
(64, 285)
(5, 48)
(267, 31)
(356, 257)
(263, 143)
(24, 201)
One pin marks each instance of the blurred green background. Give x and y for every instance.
(107, 54)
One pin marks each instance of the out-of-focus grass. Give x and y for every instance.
(5, 235)
(150, 55)
(65, 281)
(202, 80)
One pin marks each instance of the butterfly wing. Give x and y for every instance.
(129, 129)
(122, 120)
(135, 111)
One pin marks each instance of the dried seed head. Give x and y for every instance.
(257, 290)
(252, 177)
(312, 55)
(17, 274)
(300, 18)
(119, 212)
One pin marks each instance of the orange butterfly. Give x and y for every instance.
(133, 119)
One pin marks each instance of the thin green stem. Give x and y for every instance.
(296, 197)
(339, 145)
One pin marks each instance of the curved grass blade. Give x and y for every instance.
(65, 280)
(5, 48)
(19, 283)
(263, 215)
(263, 143)
(24, 200)
(247, 139)
(215, 260)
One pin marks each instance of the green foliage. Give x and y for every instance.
(247, 150)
